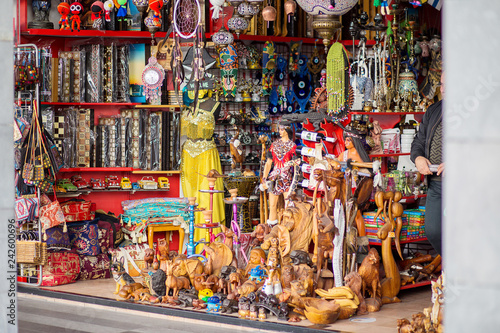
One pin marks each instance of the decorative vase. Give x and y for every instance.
(407, 83)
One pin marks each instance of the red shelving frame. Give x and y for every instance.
(123, 169)
(88, 104)
(147, 35)
(385, 113)
(415, 285)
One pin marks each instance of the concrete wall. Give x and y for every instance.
(6, 170)
(472, 148)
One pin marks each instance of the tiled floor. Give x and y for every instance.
(412, 301)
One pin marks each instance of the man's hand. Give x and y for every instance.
(440, 169)
(422, 165)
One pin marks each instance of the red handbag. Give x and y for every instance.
(76, 210)
(51, 215)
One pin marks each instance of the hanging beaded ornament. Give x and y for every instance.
(152, 79)
(337, 82)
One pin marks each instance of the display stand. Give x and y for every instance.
(244, 186)
(191, 209)
(236, 225)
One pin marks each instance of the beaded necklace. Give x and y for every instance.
(337, 82)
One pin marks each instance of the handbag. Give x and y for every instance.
(84, 237)
(51, 215)
(76, 210)
(57, 239)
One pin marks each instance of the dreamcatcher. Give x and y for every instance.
(186, 18)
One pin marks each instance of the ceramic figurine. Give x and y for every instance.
(121, 277)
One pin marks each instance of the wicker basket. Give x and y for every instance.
(31, 252)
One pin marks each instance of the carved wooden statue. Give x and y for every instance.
(389, 207)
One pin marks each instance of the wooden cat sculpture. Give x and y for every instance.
(163, 249)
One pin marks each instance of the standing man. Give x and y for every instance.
(427, 151)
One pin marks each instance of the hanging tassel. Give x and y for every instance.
(145, 238)
(44, 236)
(65, 227)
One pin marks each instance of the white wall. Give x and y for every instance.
(472, 155)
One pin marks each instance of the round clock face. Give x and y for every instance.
(151, 77)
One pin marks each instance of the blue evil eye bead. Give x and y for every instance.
(316, 60)
(302, 84)
(281, 76)
(301, 61)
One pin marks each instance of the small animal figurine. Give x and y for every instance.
(257, 274)
(149, 256)
(253, 312)
(262, 314)
(213, 304)
(228, 232)
(300, 257)
(234, 281)
(369, 271)
(354, 281)
(163, 249)
(244, 309)
(261, 230)
(76, 9)
(205, 294)
(121, 277)
(127, 291)
(229, 306)
(186, 298)
(287, 276)
(173, 282)
(64, 9)
(404, 326)
(136, 294)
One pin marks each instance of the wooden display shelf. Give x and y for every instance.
(385, 113)
(88, 104)
(389, 155)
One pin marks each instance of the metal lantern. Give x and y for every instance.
(269, 13)
(142, 5)
(222, 37)
(326, 19)
(247, 10)
(237, 23)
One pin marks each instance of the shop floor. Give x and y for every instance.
(100, 292)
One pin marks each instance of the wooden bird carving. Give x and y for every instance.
(236, 150)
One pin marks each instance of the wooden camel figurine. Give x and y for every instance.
(236, 151)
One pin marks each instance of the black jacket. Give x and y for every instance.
(422, 142)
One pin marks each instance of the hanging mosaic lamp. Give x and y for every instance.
(248, 10)
(237, 23)
(326, 16)
(222, 37)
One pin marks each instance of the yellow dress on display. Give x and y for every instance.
(199, 156)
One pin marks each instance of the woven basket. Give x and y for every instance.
(31, 252)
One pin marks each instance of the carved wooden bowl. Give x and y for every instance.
(320, 311)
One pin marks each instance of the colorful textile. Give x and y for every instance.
(95, 267)
(84, 237)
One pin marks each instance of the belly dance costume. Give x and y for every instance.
(199, 156)
(282, 152)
